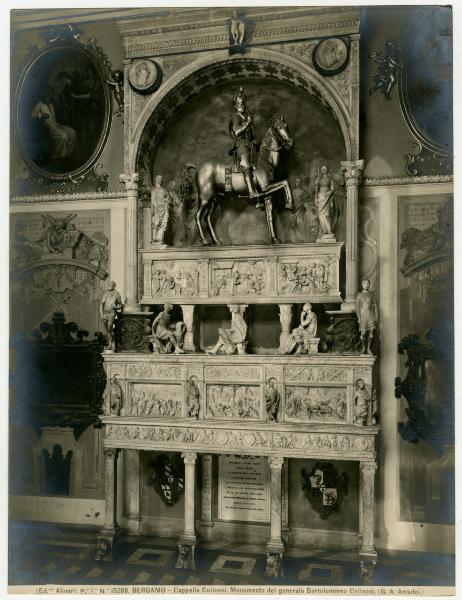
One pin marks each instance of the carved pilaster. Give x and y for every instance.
(132, 489)
(367, 484)
(131, 267)
(285, 316)
(275, 546)
(187, 541)
(188, 320)
(206, 517)
(106, 537)
(352, 171)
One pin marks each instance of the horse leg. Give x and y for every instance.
(212, 206)
(289, 198)
(199, 215)
(269, 218)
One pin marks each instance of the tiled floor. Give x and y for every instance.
(45, 553)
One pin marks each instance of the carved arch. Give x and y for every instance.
(289, 68)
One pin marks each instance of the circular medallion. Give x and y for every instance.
(330, 56)
(145, 76)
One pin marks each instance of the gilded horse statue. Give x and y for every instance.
(212, 184)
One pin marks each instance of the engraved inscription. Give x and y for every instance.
(233, 401)
(326, 405)
(155, 400)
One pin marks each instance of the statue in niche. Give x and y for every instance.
(361, 402)
(302, 336)
(302, 223)
(193, 399)
(110, 306)
(323, 200)
(368, 315)
(112, 397)
(237, 29)
(234, 339)
(160, 208)
(272, 400)
(175, 207)
(167, 338)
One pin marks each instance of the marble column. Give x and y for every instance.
(285, 316)
(275, 546)
(131, 267)
(105, 542)
(367, 553)
(187, 541)
(352, 172)
(206, 522)
(188, 320)
(132, 490)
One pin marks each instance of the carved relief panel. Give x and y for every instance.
(316, 404)
(155, 400)
(233, 401)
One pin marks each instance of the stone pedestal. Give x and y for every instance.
(132, 332)
(285, 316)
(352, 171)
(206, 522)
(188, 320)
(187, 541)
(275, 546)
(313, 346)
(131, 267)
(342, 334)
(107, 536)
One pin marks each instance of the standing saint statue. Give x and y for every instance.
(368, 315)
(323, 197)
(272, 400)
(109, 307)
(234, 339)
(299, 339)
(361, 401)
(160, 210)
(112, 397)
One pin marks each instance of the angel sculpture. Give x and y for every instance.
(117, 85)
(389, 65)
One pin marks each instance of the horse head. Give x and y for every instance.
(281, 134)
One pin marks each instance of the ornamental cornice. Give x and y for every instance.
(33, 199)
(382, 181)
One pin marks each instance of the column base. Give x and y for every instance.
(107, 539)
(132, 307)
(348, 305)
(206, 529)
(133, 525)
(274, 561)
(186, 558)
(368, 560)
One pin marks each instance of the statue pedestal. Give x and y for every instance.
(342, 334)
(313, 346)
(132, 332)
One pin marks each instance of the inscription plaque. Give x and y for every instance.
(243, 488)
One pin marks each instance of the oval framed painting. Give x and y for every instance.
(62, 111)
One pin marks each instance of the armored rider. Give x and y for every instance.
(242, 130)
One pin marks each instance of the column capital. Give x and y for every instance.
(352, 170)
(242, 307)
(276, 462)
(130, 180)
(189, 457)
(368, 467)
(110, 453)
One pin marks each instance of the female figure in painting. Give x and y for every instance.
(63, 138)
(234, 339)
(323, 192)
(300, 337)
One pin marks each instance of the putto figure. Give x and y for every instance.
(242, 131)
(110, 306)
(389, 65)
(234, 339)
(160, 207)
(167, 338)
(368, 315)
(301, 337)
(272, 400)
(323, 202)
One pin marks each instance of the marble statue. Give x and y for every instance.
(234, 339)
(176, 207)
(110, 306)
(272, 400)
(323, 193)
(368, 315)
(361, 401)
(301, 337)
(160, 208)
(193, 399)
(112, 397)
(167, 338)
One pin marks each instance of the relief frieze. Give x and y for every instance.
(239, 278)
(174, 279)
(316, 276)
(317, 374)
(232, 373)
(156, 371)
(322, 405)
(155, 400)
(233, 401)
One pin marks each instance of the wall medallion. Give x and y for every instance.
(330, 56)
(145, 76)
(324, 488)
(63, 107)
(168, 477)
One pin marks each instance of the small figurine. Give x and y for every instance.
(193, 399)
(160, 207)
(167, 338)
(117, 85)
(112, 397)
(323, 192)
(233, 339)
(301, 337)
(368, 315)
(110, 306)
(272, 399)
(387, 74)
(361, 401)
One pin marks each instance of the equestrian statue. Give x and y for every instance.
(215, 181)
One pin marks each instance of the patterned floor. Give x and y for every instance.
(44, 553)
